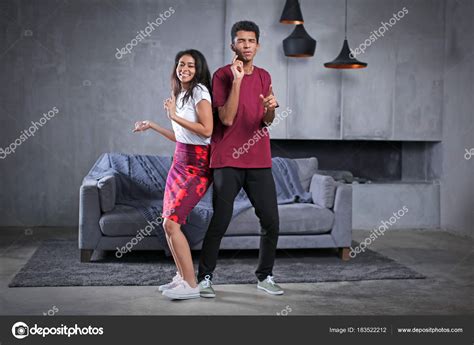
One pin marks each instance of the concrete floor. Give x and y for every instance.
(445, 259)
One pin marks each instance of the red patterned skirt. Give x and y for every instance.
(187, 181)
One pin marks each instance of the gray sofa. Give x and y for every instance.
(325, 223)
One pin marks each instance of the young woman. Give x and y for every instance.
(190, 112)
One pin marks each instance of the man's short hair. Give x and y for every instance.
(244, 25)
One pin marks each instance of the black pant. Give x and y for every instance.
(260, 188)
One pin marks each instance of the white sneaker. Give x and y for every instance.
(182, 291)
(171, 284)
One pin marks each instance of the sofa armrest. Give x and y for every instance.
(107, 193)
(342, 229)
(89, 215)
(323, 190)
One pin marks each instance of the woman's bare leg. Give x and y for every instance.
(176, 262)
(180, 246)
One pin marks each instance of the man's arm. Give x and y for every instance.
(269, 104)
(269, 117)
(228, 111)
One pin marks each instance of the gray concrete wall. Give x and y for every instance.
(62, 54)
(416, 206)
(457, 182)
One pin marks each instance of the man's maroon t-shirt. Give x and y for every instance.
(246, 143)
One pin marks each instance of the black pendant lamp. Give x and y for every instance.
(292, 13)
(299, 43)
(344, 59)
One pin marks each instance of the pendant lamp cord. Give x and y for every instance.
(345, 26)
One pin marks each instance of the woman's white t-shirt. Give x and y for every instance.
(188, 112)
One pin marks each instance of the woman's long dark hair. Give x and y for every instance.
(202, 74)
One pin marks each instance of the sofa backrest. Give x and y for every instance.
(307, 167)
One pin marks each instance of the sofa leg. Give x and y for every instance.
(344, 253)
(86, 255)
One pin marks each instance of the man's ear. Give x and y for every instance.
(232, 47)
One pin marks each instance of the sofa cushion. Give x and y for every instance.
(122, 221)
(295, 219)
(307, 167)
(323, 190)
(107, 190)
(338, 175)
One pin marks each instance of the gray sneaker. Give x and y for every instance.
(205, 287)
(269, 285)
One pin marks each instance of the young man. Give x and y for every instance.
(242, 94)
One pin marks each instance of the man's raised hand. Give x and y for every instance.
(269, 102)
(237, 68)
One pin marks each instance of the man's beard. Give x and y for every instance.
(241, 57)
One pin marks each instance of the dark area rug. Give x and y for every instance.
(56, 263)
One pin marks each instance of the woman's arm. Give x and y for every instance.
(204, 125)
(142, 126)
(163, 131)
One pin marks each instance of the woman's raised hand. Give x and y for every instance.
(170, 105)
(141, 126)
